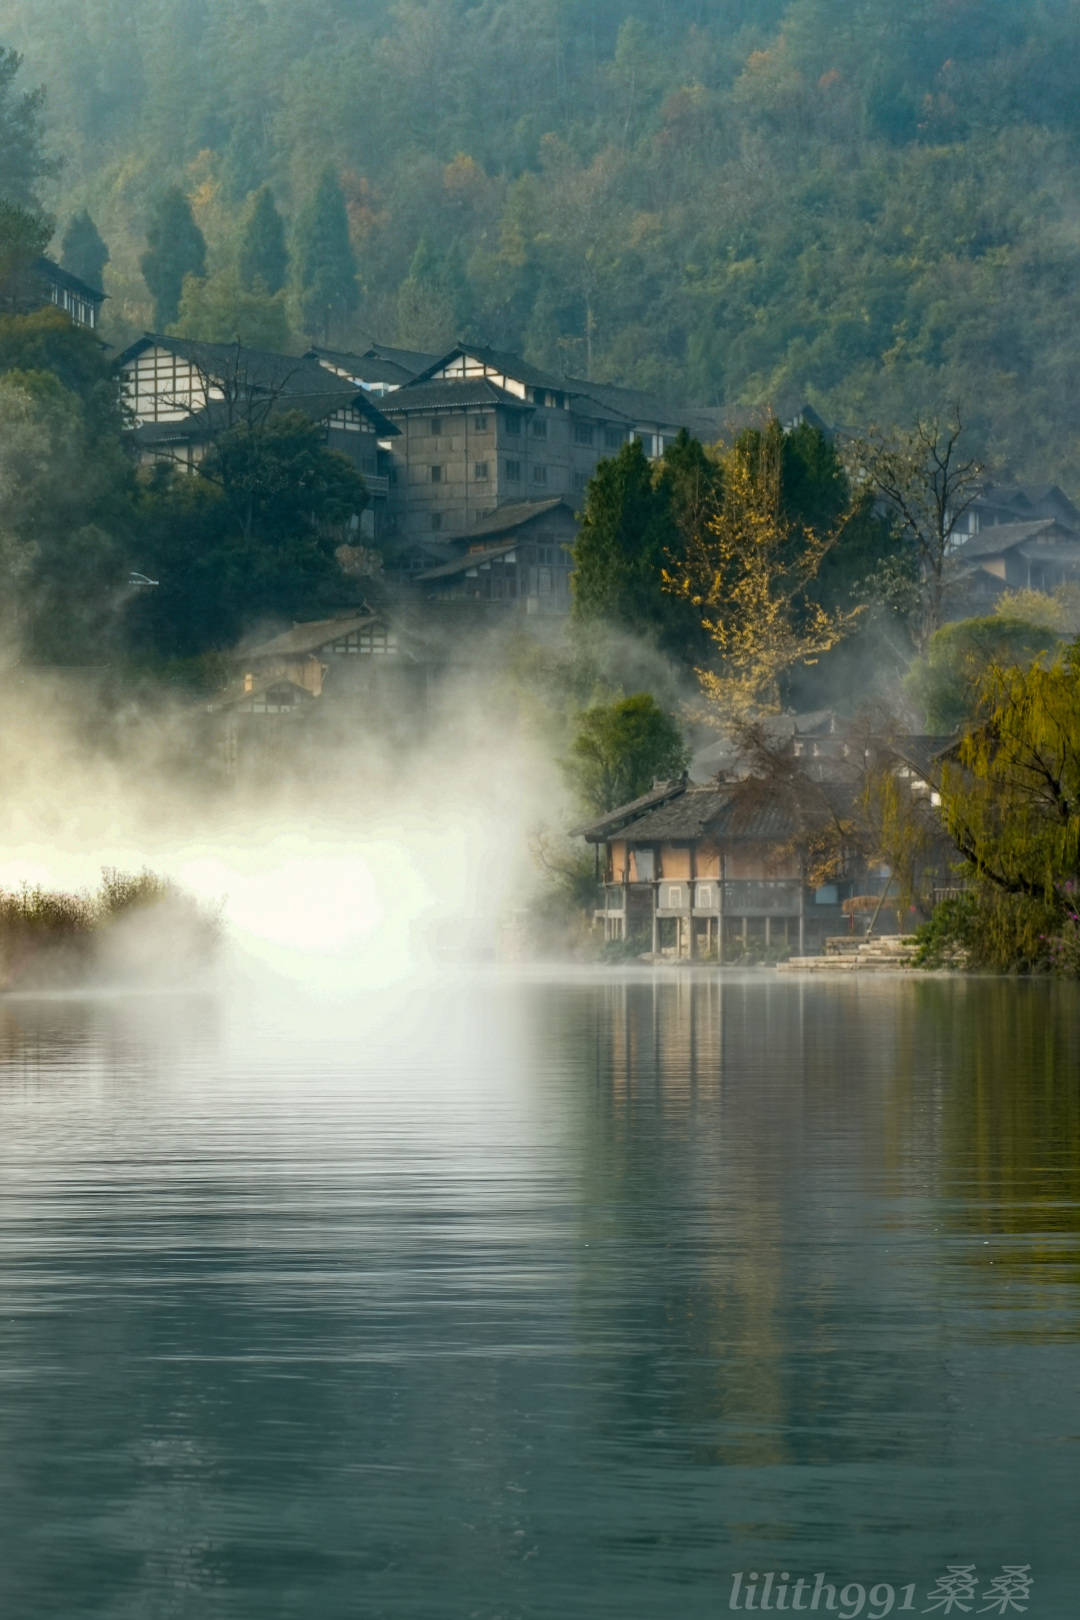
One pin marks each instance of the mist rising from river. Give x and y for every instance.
(337, 868)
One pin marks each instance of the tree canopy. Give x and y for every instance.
(621, 747)
(326, 268)
(25, 163)
(946, 683)
(82, 251)
(264, 258)
(751, 201)
(175, 250)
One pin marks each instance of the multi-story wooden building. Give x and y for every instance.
(183, 394)
(481, 429)
(517, 554)
(695, 870)
(70, 293)
(45, 282)
(379, 369)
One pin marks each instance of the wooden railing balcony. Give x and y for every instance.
(765, 897)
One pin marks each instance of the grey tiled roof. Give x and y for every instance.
(307, 638)
(1001, 537)
(450, 394)
(510, 365)
(514, 515)
(462, 565)
(606, 825)
(294, 381)
(66, 278)
(750, 809)
(730, 812)
(363, 367)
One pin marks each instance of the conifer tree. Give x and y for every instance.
(629, 529)
(175, 249)
(83, 251)
(263, 255)
(325, 266)
(426, 305)
(24, 164)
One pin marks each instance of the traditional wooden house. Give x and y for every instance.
(321, 652)
(481, 429)
(70, 293)
(1038, 555)
(183, 394)
(997, 504)
(32, 286)
(517, 555)
(379, 370)
(694, 870)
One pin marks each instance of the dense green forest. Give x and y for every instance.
(866, 204)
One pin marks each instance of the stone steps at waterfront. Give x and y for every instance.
(891, 954)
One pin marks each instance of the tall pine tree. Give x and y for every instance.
(325, 265)
(629, 530)
(83, 251)
(263, 255)
(23, 165)
(175, 249)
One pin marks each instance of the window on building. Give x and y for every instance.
(512, 423)
(377, 640)
(436, 522)
(539, 474)
(582, 433)
(436, 474)
(513, 471)
(480, 471)
(539, 427)
(433, 427)
(581, 481)
(613, 438)
(480, 423)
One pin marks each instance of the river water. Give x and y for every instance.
(539, 1296)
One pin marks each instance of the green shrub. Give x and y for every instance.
(136, 926)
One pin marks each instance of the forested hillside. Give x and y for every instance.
(869, 204)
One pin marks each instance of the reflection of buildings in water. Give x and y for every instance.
(741, 1120)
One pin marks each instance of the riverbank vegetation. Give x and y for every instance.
(134, 929)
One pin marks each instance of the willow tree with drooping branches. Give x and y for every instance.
(1012, 800)
(749, 570)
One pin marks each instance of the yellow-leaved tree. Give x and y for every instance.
(749, 570)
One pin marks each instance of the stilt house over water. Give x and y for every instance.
(705, 871)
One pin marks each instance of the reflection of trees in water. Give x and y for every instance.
(1011, 1136)
(759, 1159)
(108, 1037)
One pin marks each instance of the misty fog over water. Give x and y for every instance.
(508, 1294)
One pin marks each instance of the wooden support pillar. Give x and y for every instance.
(655, 919)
